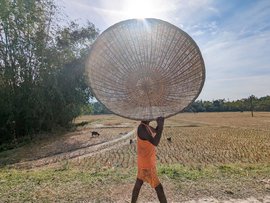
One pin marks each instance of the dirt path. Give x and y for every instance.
(122, 194)
(265, 199)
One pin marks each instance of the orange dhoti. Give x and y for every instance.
(147, 161)
(148, 175)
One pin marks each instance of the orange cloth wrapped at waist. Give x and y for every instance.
(149, 175)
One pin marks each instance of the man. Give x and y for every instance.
(148, 139)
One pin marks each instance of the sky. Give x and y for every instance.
(233, 36)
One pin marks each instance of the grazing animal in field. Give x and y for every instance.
(94, 134)
(169, 139)
(130, 141)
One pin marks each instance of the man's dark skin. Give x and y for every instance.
(144, 135)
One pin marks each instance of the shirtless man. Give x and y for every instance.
(148, 138)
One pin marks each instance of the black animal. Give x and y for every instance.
(169, 139)
(130, 141)
(94, 134)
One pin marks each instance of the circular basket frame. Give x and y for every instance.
(99, 50)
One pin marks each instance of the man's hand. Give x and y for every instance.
(160, 122)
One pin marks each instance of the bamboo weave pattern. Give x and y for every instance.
(143, 69)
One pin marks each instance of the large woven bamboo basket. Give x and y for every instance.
(143, 69)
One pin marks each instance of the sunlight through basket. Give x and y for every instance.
(143, 69)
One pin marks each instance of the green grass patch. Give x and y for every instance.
(70, 183)
(182, 173)
(59, 184)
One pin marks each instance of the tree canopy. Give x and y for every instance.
(42, 79)
(251, 103)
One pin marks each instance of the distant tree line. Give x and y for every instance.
(251, 103)
(42, 77)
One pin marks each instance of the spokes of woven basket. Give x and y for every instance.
(143, 69)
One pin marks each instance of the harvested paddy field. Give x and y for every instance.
(221, 156)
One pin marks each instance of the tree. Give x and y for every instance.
(23, 31)
(42, 76)
(247, 104)
(99, 108)
(251, 102)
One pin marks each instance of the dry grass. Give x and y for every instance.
(222, 155)
(203, 139)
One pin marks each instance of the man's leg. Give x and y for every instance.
(136, 190)
(160, 194)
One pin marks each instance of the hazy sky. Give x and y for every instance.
(233, 35)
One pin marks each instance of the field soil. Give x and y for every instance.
(212, 157)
